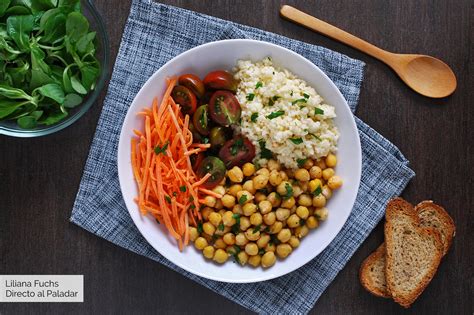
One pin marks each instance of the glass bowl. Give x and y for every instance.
(10, 128)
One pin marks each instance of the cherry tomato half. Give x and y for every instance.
(221, 80)
(237, 152)
(193, 83)
(224, 108)
(196, 159)
(215, 167)
(201, 120)
(184, 97)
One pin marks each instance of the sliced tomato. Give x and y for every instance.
(215, 167)
(193, 83)
(224, 108)
(196, 159)
(184, 97)
(221, 80)
(201, 120)
(237, 152)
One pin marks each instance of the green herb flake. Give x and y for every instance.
(267, 229)
(168, 199)
(296, 140)
(305, 95)
(254, 117)
(258, 85)
(318, 111)
(301, 162)
(273, 99)
(182, 188)
(300, 100)
(220, 227)
(250, 97)
(274, 240)
(276, 114)
(256, 228)
(159, 150)
(261, 251)
(191, 207)
(242, 199)
(289, 192)
(302, 222)
(205, 140)
(264, 152)
(317, 191)
(199, 227)
(236, 228)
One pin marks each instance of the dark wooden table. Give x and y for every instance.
(40, 177)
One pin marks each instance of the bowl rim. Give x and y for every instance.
(268, 276)
(92, 97)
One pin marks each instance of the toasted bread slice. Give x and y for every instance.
(434, 216)
(413, 253)
(372, 273)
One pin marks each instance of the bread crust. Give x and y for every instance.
(364, 272)
(396, 207)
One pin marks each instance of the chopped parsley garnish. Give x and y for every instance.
(168, 199)
(254, 117)
(300, 100)
(291, 94)
(301, 162)
(234, 149)
(274, 240)
(305, 95)
(236, 228)
(289, 192)
(205, 140)
(258, 85)
(236, 216)
(264, 152)
(256, 228)
(261, 251)
(182, 188)
(314, 136)
(317, 191)
(199, 227)
(296, 140)
(276, 114)
(318, 111)
(191, 207)
(220, 227)
(267, 229)
(273, 99)
(242, 199)
(250, 96)
(236, 252)
(162, 149)
(302, 222)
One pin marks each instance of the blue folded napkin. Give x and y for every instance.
(155, 33)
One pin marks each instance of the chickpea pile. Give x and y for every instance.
(264, 213)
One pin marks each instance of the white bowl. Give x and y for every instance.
(224, 55)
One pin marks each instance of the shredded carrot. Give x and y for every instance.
(168, 188)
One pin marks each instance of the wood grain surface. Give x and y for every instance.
(40, 177)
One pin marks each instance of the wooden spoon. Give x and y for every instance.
(424, 74)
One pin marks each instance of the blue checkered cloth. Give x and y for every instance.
(155, 33)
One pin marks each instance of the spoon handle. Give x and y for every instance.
(329, 30)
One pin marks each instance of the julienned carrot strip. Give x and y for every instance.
(168, 188)
(210, 192)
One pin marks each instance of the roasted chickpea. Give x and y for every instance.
(314, 184)
(251, 249)
(215, 218)
(327, 192)
(334, 182)
(321, 214)
(235, 174)
(219, 231)
(275, 178)
(260, 197)
(208, 228)
(193, 234)
(284, 235)
(282, 214)
(240, 239)
(244, 196)
(268, 259)
(302, 212)
(283, 188)
(228, 201)
(294, 241)
(273, 165)
(237, 209)
(276, 227)
(219, 205)
(305, 200)
(283, 175)
(271, 247)
(255, 260)
(200, 243)
(328, 173)
(219, 190)
(256, 219)
(249, 209)
(321, 164)
(208, 252)
(243, 257)
(248, 186)
(301, 231)
(293, 221)
(263, 171)
(228, 218)
(265, 206)
(210, 201)
(288, 203)
(234, 189)
(260, 181)
(302, 175)
(229, 239)
(319, 201)
(263, 240)
(331, 160)
(252, 234)
(248, 169)
(206, 212)
(311, 222)
(220, 256)
(283, 250)
(297, 191)
(244, 223)
(274, 199)
(269, 218)
(219, 243)
(315, 172)
(308, 164)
